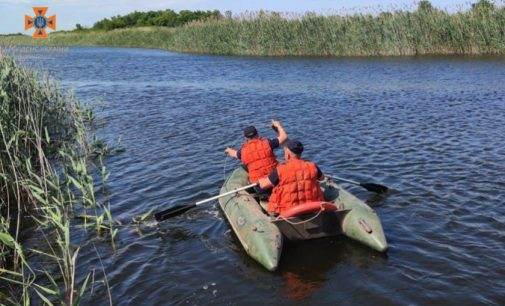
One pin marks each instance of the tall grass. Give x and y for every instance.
(424, 31)
(44, 178)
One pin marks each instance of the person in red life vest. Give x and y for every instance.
(256, 153)
(294, 182)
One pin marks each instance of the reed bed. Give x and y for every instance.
(45, 157)
(424, 31)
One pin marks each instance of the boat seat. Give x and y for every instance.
(308, 208)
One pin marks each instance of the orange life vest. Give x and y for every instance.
(297, 185)
(258, 157)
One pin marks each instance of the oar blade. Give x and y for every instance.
(172, 212)
(377, 188)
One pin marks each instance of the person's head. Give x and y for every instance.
(250, 132)
(292, 149)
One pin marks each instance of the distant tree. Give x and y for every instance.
(164, 18)
(425, 6)
(186, 16)
(102, 24)
(79, 27)
(483, 6)
(228, 14)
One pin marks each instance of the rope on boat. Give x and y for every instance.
(301, 222)
(224, 168)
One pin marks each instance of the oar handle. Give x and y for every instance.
(377, 188)
(225, 194)
(344, 180)
(180, 209)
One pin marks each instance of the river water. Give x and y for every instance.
(432, 129)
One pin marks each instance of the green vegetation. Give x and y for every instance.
(166, 18)
(45, 179)
(425, 31)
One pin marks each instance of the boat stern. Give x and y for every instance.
(268, 251)
(364, 226)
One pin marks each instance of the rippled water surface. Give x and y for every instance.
(430, 128)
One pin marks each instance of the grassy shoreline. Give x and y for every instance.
(426, 31)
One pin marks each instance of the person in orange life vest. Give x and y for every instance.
(294, 182)
(256, 153)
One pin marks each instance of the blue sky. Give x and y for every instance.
(70, 12)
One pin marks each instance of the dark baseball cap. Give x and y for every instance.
(294, 146)
(250, 131)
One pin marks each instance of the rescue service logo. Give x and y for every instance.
(40, 22)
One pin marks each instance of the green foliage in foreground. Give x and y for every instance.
(422, 32)
(44, 178)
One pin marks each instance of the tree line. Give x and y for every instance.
(170, 18)
(162, 18)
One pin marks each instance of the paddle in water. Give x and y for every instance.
(377, 188)
(180, 209)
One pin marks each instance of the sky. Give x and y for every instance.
(71, 12)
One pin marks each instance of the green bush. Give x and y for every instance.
(165, 18)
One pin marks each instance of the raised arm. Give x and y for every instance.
(231, 152)
(282, 135)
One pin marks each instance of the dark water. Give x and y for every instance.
(432, 129)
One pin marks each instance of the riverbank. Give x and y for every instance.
(46, 181)
(426, 31)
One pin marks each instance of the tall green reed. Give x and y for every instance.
(45, 148)
(424, 31)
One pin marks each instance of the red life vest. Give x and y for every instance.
(258, 157)
(297, 185)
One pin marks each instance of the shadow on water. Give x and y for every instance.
(305, 265)
(379, 199)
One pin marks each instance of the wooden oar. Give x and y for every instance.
(377, 188)
(180, 209)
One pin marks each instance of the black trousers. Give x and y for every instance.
(261, 194)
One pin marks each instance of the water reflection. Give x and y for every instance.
(307, 265)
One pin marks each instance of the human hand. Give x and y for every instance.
(276, 123)
(230, 152)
